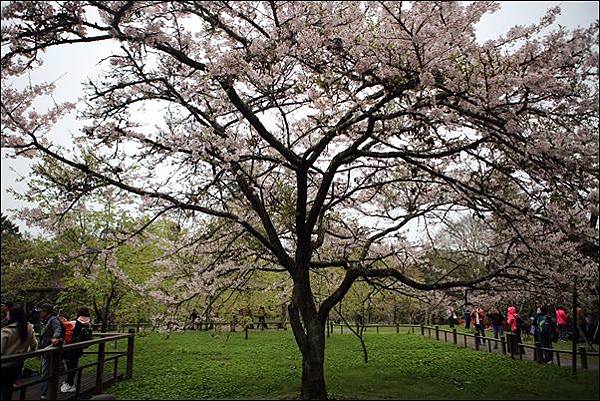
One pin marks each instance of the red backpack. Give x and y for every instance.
(69, 327)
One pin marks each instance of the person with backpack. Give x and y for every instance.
(562, 321)
(53, 334)
(81, 330)
(546, 329)
(534, 320)
(17, 337)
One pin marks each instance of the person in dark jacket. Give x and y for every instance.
(262, 315)
(467, 316)
(53, 334)
(496, 320)
(534, 320)
(82, 331)
(194, 320)
(546, 328)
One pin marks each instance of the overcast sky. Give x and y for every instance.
(71, 65)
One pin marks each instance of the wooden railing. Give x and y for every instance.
(507, 343)
(55, 371)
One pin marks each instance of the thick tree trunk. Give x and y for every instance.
(313, 378)
(309, 333)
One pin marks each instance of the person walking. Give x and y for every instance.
(82, 331)
(467, 316)
(452, 318)
(52, 335)
(546, 329)
(562, 321)
(192, 319)
(534, 320)
(478, 316)
(262, 322)
(516, 327)
(496, 319)
(17, 337)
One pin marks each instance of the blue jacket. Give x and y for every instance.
(53, 329)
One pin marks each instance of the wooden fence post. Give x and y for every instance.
(503, 345)
(584, 363)
(100, 368)
(422, 330)
(437, 332)
(397, 328)
(377, 329)
(246, 332)
(130, 349)
(477, 341)
(53, 372)
(454, 337)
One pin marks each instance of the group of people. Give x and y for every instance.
(546, 326)
(18, 336)
(243, 317)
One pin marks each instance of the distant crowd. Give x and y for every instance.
(55, 329)
(547, 325)
(242, 317)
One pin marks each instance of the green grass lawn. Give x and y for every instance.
(196, 365)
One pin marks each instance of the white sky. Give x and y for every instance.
(73, 64)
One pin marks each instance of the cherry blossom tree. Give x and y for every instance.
(320, 131)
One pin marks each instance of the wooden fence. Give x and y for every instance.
(83, 383)
(507, 344)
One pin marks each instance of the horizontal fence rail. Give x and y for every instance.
(506, 344)
(96, 381)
